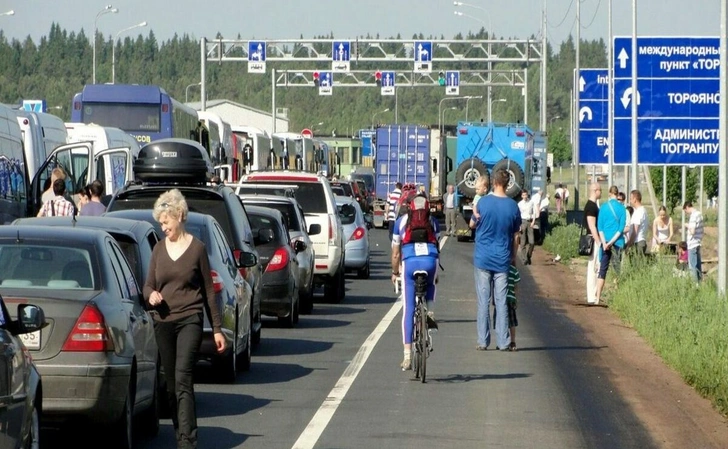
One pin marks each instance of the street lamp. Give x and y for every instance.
(444, 111)
(467, 100)
(490, 107)
(107, 9)
(377, 113)
(113, 50)
(188, 87)
(8, 13)
(551, 120)
(490, 37)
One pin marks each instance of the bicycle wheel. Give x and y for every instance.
(422, 340)
(417, 350)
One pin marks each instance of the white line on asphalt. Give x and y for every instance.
(443, 241)
(317, 425)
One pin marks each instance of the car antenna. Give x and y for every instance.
(18, 239)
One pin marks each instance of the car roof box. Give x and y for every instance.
(180, 161)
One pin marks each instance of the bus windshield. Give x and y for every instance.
(129, 117)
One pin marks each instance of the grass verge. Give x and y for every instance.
(562, 239)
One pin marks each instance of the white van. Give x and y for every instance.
(13, 176)
(102, 138)
(42, 133)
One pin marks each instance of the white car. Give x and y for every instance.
(314, 194)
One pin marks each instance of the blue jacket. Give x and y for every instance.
(611, 221)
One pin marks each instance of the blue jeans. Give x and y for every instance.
(483, 279)
(695, 263)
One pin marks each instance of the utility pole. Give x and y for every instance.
(722, 159)
(544, 70)
(576, 108)
(610, 98)
(635, 97)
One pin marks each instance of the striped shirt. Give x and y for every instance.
(61, 208)
(514, 277)
(393, 199)
(695, 229)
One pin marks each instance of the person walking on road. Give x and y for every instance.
(392, 201)
(178, 288)
(497, 226)
(591, 212)
(695, 238)
(450, 211)
(527, 235)
(611, 226)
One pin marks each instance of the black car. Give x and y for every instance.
(280, 278)
(233, 292)
(135, 238)
(174, 159)
(20, 406)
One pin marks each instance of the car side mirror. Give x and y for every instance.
(30, 318)
(265, 235)
(299, 246)
(247, 260)
(314, 229)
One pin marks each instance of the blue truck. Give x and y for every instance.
(484, 147)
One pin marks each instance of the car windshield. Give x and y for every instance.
(287, 210)
(338, 191)
(346, 187)
(27, 265)
(368, 180)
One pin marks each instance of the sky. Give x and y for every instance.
(286, 19)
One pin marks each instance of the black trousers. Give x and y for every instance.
(179, 342)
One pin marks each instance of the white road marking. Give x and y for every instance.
(317, 425)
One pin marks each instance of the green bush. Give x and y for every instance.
(562, 239)
(685, 323)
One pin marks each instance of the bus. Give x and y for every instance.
(222, 143)
(146, 112)
(297, 150)
(256, 150)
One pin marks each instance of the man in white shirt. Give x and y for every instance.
(695, 238)
(638, 224)
(527, 235)
(450, 212)
(559, 197)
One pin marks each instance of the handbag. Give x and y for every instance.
(586, 243)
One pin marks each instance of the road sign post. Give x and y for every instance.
(256, 57)
(341, 56)
(452, 83)
(677, 98)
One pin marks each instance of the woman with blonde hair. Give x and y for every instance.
(178, 288)
(661, 229)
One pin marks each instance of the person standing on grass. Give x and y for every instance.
(497, 225)
(611, 225)
(638, 224)
(559, 196)
(591, 213)
(695, 237)
(527, 241)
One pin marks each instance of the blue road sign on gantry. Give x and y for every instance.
(677, 99)
(423, 56)
(256, 57)
(388, 83)
(593, 116)
(340, 56)
(452, 82)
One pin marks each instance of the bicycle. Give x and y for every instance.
(421, 339)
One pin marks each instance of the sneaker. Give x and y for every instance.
(431, 323)
(406, 363)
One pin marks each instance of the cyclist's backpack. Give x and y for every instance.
(419, 228)
(402, 205)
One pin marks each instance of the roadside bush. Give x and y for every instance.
(562, 239)
(685, 323)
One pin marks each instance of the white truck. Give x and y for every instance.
(42, 133)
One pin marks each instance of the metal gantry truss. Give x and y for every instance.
(366, 78)
(379, 50)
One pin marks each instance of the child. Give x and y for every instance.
(682, 256)
(514, 277)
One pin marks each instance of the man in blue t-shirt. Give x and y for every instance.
(497, 224)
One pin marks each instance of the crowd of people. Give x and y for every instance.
(619, 227)
(58, 202)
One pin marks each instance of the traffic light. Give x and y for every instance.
(441, 78)
(316, 77)
(378, 78)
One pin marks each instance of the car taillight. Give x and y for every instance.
(89, 334)
(278, 261)
(357, 234)
(216, 281)
(331, 230)
(237, 253)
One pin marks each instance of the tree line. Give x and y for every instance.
(60, 64)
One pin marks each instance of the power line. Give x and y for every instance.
(599, 4)
(565, 16)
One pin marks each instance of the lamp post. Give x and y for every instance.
(113, 50)
(467, 100)
(107, 9)
(376, 113)
(490, 107)
(8, 13)
(444, 111)
(187, 90)
(551, 120)
(490, 37)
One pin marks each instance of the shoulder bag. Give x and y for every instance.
(586, 243)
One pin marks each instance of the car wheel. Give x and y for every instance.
(33, 438)
(364, 272)
(148, 421)
(305, 302)
(245, 359)
(333, 289)
(123, 428)
(288, 321)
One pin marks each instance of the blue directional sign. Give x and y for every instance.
(340, 56)
(677, 99)
(423, 56)
(388, 82)
(452, 82)
(256, 57)
(326, 82)
(35, 105)
(593, 116)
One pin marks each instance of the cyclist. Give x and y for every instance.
(414, 248)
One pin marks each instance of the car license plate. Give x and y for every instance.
(31, 340)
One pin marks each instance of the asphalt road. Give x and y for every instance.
(334, 381)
